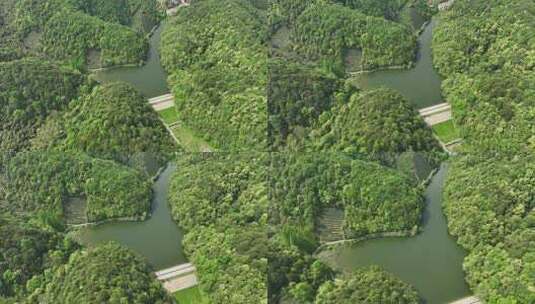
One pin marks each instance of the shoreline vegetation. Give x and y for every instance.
(388, 234)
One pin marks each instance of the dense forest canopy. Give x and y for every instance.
(26, 251)
(371, 285)
(74, 31)
(214, 52)
(374, 198)
(42, 184)
(326, 30)
(30, 91)
(115, 122)
(379, 123)
(490, 208)
(298, 94)
(490, 43)
(485, 50)
(108, 273)
(221, 201)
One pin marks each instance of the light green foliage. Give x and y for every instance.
(221, 202)
(490, 208)
(446, 131)
(105, 274)
(190, 295)
(214, 52)
(371, 285)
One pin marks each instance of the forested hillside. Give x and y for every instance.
(114, 122)
(485, 50)
(25, 251)
(40, 185)
(373, 199)
(215, 54)
(94, 33)
(221, 202)
(378, 123)
(30, 91)
(105, 274)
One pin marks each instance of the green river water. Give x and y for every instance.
(430, 261)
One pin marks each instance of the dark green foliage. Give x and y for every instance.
(224, 188)
(115, 122)
(375, 199)
(118, 44)
(39, 184)
(379, 123)
(388, 9)
(105, 274)
(293, 274)
(30, 90)
(298, 94)
(324, 31)
(371, 285)
(26, 251)
(490, 208)
(68, 34)
(214, 52)
(221, 201)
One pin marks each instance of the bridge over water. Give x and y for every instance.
(178, 277)
(468, 300)
(436, 114)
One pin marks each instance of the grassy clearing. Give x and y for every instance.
(169, 115)
(190, 295)
(190, 141)
(446, 131)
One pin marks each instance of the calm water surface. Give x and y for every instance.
(420, 85)
(158, 238)
(430, 261)
(150, 79)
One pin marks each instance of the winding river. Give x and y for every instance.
(430, 261)
(159, 238)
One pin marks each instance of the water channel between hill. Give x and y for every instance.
(430, 261)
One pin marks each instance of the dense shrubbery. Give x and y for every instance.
(325, 30)
(490, 208)
(485, 49)
(221, 201)
(65, 30)
(112, 122)
(26, 251)
(214, 52)
(104, 274)
(374, 198)
(367, 286)
(298, 94)
(39, 184)
(379, 123)
(30, 90)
